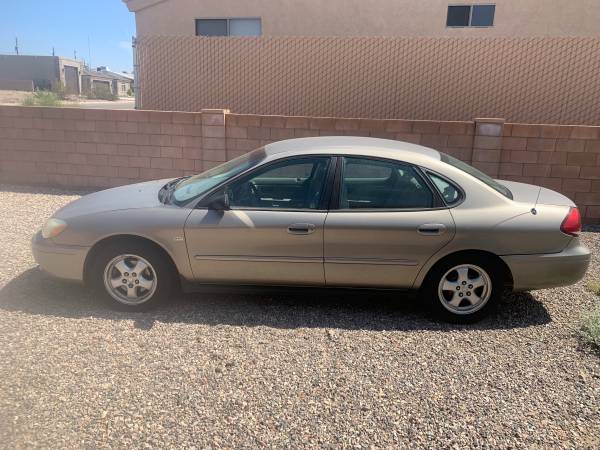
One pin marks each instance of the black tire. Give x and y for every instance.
(431, 296)
(164, 275)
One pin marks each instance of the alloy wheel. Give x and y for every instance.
(130, 279)
(464, 289)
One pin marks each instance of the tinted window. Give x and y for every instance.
(211, 27)
(449, 192)
(477, 174)
(482, 15)
(470, 16)
(228, 27)
(292, 184)
(458, 16)
(373, 184)
(244, 27)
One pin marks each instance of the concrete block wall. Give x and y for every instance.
(102, 148)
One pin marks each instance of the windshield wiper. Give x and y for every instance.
(170, 188)
(164, 195)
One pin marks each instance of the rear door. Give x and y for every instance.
(387, 222)
(273, 231)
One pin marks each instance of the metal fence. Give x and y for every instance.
(530, 80)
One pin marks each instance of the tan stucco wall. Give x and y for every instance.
(40, 69)
(371, 17)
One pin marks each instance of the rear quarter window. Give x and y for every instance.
(450, 193)
(498, 187)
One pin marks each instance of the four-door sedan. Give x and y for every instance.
(332, 211)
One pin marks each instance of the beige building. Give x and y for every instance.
(452, 18)
(120, 84)
(45, 72)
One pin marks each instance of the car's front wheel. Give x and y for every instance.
(132, 276)
(463, 289)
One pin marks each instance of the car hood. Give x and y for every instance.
(133, 196)
(536, 195)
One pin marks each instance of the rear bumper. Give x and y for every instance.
(61, 261)
(543, 271)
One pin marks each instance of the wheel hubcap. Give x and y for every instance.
(465, 289)
(130, 279)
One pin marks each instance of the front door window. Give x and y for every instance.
(292, 184)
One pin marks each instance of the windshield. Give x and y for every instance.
(200, 184)
(477, 174)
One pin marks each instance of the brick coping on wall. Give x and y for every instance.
(71, 147)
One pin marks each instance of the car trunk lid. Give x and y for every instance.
(536, 195)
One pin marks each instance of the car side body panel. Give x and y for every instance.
(162, 225)
(254, 246)
(382, 249)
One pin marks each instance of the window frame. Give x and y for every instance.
(334, 206)
(324, 201)
(471, 6)
(227, 20)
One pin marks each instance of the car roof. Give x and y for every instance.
(353, 145)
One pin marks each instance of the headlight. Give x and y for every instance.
(53, 227)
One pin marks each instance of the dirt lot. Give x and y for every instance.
(17, 97)
(12, 97)
(282, 370)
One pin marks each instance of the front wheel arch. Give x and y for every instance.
(92, 254)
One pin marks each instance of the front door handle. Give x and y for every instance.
(301, 228)
(431, 229)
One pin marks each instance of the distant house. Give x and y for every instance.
(44, 72)
(117, 83)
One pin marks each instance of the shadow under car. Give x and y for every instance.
(34, 292)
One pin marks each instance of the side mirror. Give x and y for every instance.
(219, 202)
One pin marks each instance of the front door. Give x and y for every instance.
(388, 224)
(273, 231)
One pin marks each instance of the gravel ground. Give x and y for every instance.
(282, 370)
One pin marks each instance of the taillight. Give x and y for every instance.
(572, 223)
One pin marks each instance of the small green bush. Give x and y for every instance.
(593, 286)
(60, 91)
(42, 98)
(28, 101)
(101, 92)
(590, 328)
(130, 92)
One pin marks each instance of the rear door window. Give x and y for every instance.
(378, 184)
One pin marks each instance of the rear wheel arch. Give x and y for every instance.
(126, 238)
(495, 259)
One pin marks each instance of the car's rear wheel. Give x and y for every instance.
(132, 275)
(463, 288)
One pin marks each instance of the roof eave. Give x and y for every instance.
(138, 5)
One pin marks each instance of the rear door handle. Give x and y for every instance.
(431, 229)
(301, 228)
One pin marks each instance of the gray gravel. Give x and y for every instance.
(282, 370)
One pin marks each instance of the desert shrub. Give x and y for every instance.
(101, 92)
(42, 98)
(593, 286)
(28, 101)
(60, 91)
(130, 92)
(590, 328)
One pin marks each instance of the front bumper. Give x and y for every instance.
(549, 270)
(62, 261)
